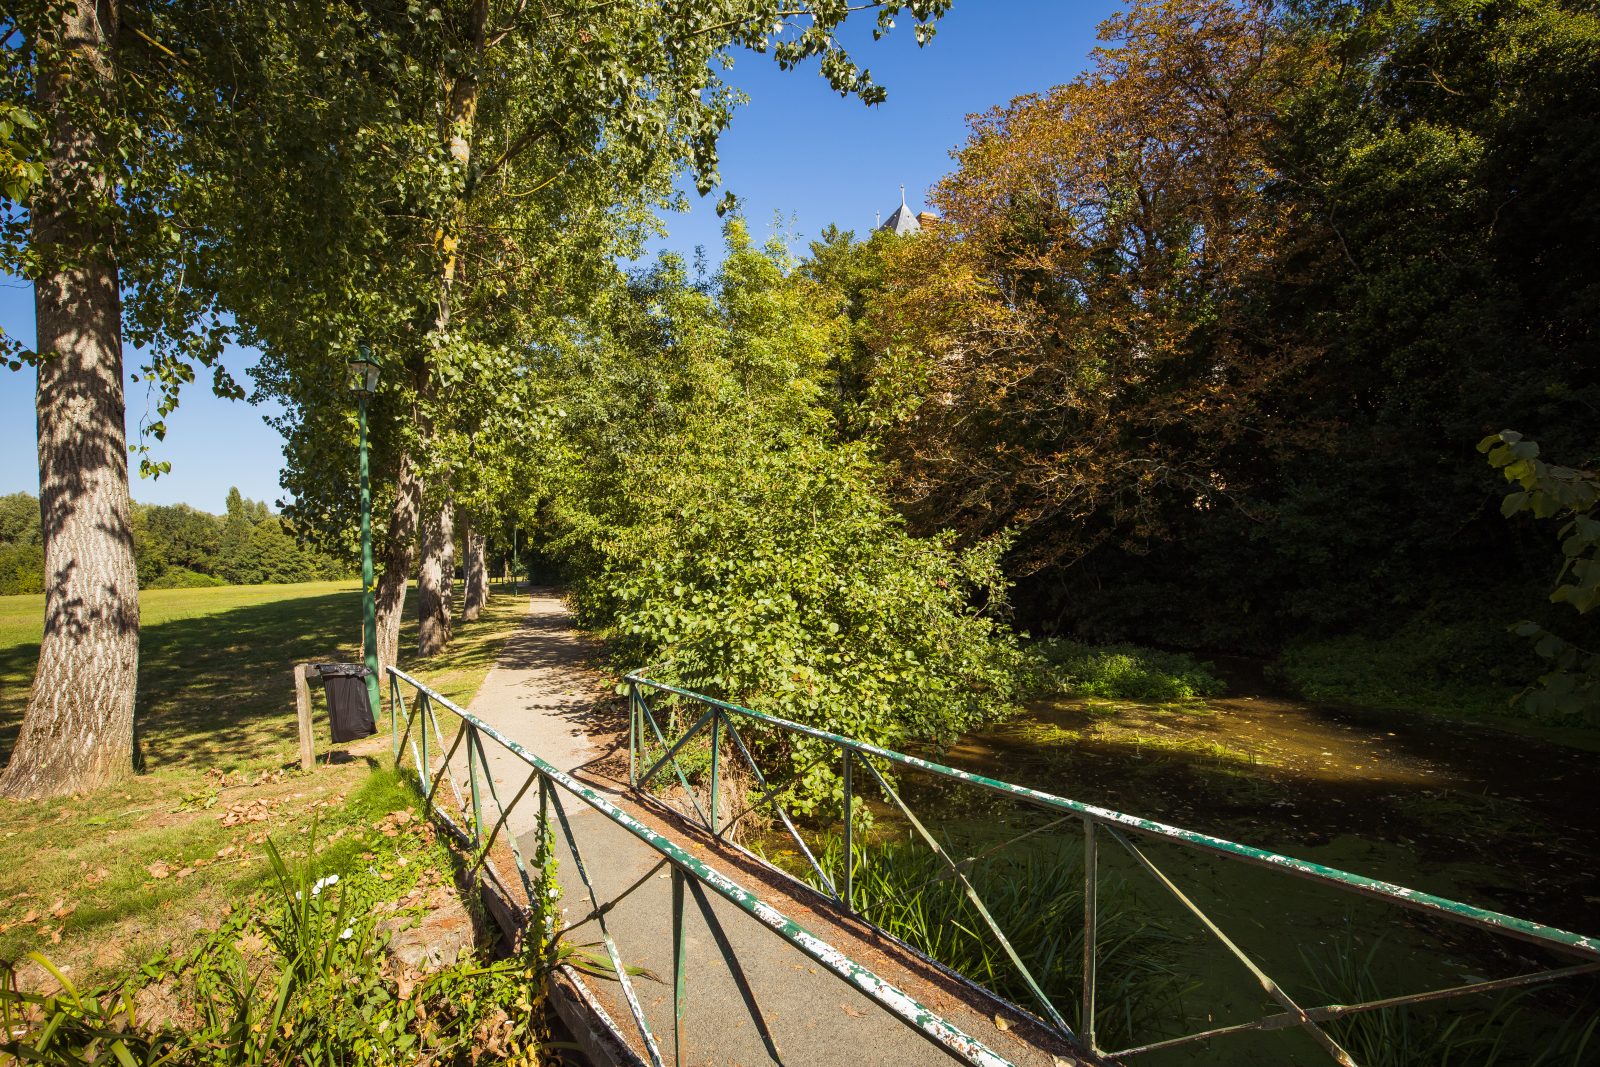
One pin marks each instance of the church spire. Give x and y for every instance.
(902, 221)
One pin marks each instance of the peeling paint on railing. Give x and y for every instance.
(888, 996)
(1564, 941)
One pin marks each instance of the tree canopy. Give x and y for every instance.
(1196, 354)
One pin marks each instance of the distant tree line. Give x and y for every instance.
(176, 546)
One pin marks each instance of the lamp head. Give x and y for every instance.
(363, 371)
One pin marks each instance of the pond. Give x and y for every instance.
(1467, 812)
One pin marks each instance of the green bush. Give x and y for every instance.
(1125, 672)
(780, 580)
(21, 569)
(724, 539)
(1467, 667)
(183, 578)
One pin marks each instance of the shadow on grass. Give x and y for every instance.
(216, 690)
(215, 687)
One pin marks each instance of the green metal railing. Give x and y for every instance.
(479, 820)
(720, 719)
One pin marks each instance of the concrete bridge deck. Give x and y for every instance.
(752, 998)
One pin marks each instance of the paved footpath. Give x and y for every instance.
(771, 1005)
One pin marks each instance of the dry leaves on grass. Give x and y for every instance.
(494, 1036)
(28, 919)
(391, 824)
(246, 812)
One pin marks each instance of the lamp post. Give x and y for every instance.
(363, 382)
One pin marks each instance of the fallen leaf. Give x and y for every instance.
(246, 812)
(159, 869)
(1000, 1023)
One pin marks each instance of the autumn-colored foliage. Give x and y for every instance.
(1083, 315)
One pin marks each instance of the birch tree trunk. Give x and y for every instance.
(77, 731)
(399, 551)
(433, 598)
(477, 572)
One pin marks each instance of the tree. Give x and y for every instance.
(21, 555)
(78, 729)
(1076, 330)
(713, 526)
(177, 541)
(491, 162)
(77, 732)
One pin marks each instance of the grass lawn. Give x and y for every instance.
(105, 881)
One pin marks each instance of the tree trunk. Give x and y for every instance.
(477, 573)
(435, 579)
(461, 116)
(77, 732)
(449, 571)
(398, 552)
(433, 594)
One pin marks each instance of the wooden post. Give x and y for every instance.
(302, 707)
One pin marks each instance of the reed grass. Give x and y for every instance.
(1036, 898)
(1506, 1030)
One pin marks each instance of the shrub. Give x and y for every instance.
(1125, 672)
(785, 584)
(1467, 667)
(721, 535)
(183, 578)
(21, 569)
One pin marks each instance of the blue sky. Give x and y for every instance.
(798, 150)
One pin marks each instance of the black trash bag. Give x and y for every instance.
(349, 710)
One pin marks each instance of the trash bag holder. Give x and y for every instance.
(349, 709)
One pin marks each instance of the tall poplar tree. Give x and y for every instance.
(93, 160)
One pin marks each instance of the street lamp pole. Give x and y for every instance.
(364, 383)
(369, 604)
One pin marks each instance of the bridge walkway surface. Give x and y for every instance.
(751, 997)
